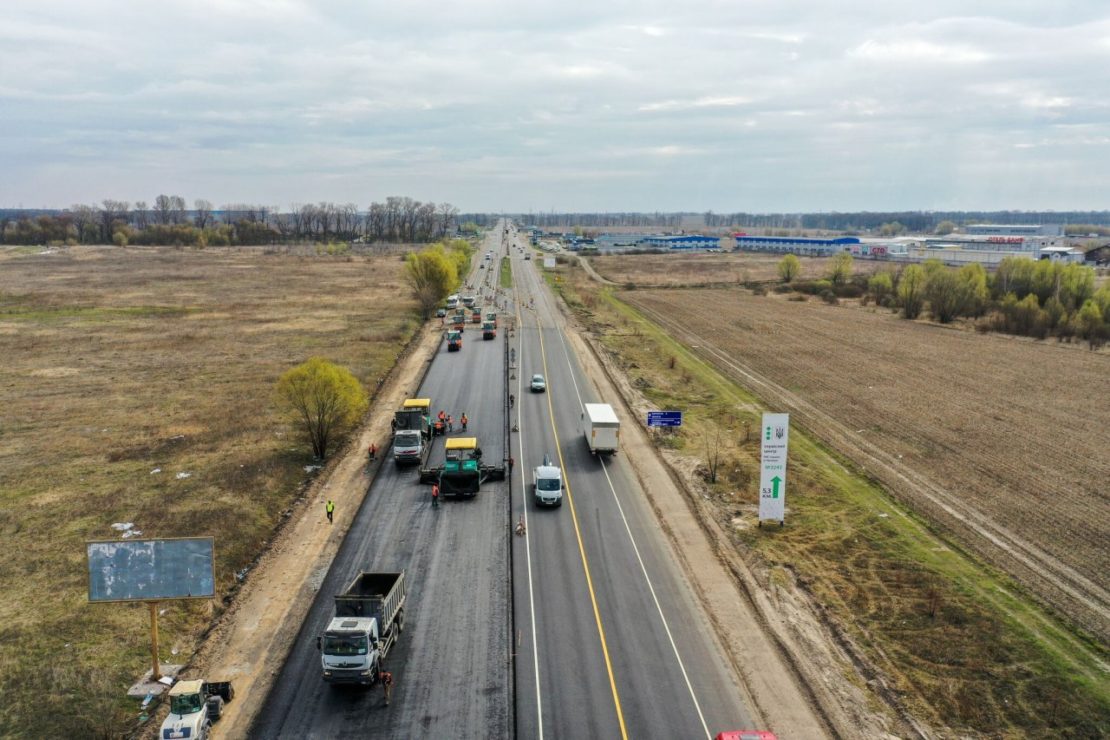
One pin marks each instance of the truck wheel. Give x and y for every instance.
(400, 621)
(215, 707)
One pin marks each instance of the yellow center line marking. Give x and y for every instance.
(581, 544)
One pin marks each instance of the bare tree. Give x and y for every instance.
(85, 219)
(203, 216)
(142, 214)
(163, 206)
(713, 452)
(111, 211)
(177, 209)
(447, 217)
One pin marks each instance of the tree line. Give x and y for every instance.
(1037, 298)
(1079, 223)
(169, 221)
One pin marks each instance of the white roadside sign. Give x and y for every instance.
(772, 471)
(549, 262)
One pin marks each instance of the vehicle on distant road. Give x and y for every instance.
(538, 384)
(441, 312)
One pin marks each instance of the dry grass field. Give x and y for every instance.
(714, 268)
(136, 387)
(1003, 439)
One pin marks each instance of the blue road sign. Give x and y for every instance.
(664, 418)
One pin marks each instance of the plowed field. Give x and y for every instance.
(685, 269)
(1002, 440)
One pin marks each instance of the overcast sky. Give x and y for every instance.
(538, 105)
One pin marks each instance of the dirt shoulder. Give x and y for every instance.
(252, 638)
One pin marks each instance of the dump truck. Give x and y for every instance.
(458, 321)
(369, 617)
(415, 414)
(462, 472)
(454, 340)
(602, 428)
(489, 330)
(491, 316)
(194, 706)
(476, 316)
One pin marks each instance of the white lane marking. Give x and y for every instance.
(524, 512)
(636, 549)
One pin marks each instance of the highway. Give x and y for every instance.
(612, 643)
(585, 627)
(451, 666)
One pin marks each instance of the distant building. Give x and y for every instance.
(693, 241)
(1015, 229)
(797, 244)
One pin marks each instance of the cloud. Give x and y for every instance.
(621, 104)
(711, 101)
(916, 50)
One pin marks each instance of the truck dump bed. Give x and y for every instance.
(378, 595)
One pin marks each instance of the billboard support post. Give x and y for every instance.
(155, 669)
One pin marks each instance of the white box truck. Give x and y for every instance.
(603, 428)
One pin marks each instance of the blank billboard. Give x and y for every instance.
(151, 570)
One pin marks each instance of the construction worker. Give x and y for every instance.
(520, 529)
(329, 507)
(450, 423)
(435, 495)
(512, 400)
(373, 450)
(464, 421)
(387, 685)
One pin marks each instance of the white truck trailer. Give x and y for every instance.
(369, 616)
(602, 428)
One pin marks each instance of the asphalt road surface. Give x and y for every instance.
(583, 628)
(611, 640)
(452, 665)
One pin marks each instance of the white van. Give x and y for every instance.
(453, 301)
(547, 484)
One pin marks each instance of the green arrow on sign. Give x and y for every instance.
(775, 486)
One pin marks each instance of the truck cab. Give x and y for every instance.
(408, 447)
(349, 650)
(188, 716)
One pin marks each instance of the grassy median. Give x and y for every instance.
(506, 273)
